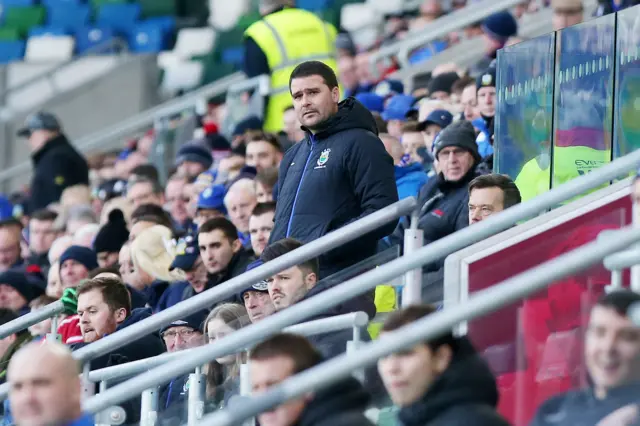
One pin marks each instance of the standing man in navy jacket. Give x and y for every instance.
(339, 173)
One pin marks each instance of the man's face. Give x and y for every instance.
(9, 247)
(190, 169)
(469, 102)
(176, 201)
(260, 228)
(412, 141)
(612, 349)
(313, 101)
(10, 298)
(363, 69)
(142, 193)
(107, 259)
(47, 395)
(267, 373)
(487, 101)
(197, 276)
(258, 305)
(566, 18)
(263, 195)
(291, 125)
(96, 319)
(126, 266)
(41, 235)
(483, 202)
(347, 74)
(72, 272)
(408, 375)
(181, 338)
(454, 162)
(240, 204)
(262, 155)
(290, 286)
(216, 250)
(429, 134)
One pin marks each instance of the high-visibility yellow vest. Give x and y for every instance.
(287, 38)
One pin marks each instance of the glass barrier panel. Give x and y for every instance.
(627, 125)
(553, 310)
(583, 98)
(524, 114)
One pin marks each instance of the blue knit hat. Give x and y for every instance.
(83, 255)
(195, 321)
(213, 198)
(196, 152)
(371, 101)
(398, 107)
(25, 284)
(500, 26)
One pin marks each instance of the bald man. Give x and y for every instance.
(50, 394)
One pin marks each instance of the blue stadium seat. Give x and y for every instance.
(147, 38)
(91, 37)
(11, 51)
(121, 17)
(6, 3)
(68, 15)
(48, 30)
(233, 55)
(167, 23)
(314, 5)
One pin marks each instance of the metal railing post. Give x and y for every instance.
(149, 407)
(413, 240)
(88, 387)
(245, 386)
(53, 336)
(26, 321)
(197, 392)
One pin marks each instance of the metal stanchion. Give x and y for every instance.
(53, 336)
(245, 387)
(149, 407)
(197, 392)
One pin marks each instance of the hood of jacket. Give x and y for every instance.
(343, 397)
(351, 115)
(403, 172)
(56, 142)
(137, 315)
(468, 380)
(153, 293)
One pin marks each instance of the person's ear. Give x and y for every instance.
(310, 280)
(121, 315)
(236, 245)
(335, 94)
(442, 358)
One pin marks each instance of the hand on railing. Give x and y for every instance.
(70, 301)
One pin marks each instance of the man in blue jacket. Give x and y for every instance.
(339, 173)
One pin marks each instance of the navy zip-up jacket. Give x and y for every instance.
(332, 178)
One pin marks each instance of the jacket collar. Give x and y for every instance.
(56, 142)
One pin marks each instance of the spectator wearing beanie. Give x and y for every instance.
(457, 154)
(18, 288)
(193, 158)
(75, 264)
(371, 101)
(497, 28)
(110, 239)
(440, 86)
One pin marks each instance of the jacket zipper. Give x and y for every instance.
(295, 199)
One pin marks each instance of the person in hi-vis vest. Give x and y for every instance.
(282, 39)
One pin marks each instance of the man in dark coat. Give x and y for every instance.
(285, 355)
(57, 164)
(442, 382)
(339, 173)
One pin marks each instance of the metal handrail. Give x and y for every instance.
(482, 303)
(26, 321)
(369, 280)
(329, 325)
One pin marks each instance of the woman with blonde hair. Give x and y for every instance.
(223, 374)
(152, 253)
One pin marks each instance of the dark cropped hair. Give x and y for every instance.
(284, 246)
(114, 292)
(44, 215)
(146, 171)
(292, 346)
(311, 68)
(151, 213)
(260, 136)
(220, 223)
(262, 208)
(406, 316)
(509, 189)
(619, 300)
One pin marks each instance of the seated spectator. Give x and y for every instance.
(18, 287)
(497, 29)
(491, 194)
(10, 344)
(125, 273)
(210, 204)
(192, 159)
(229, 167)
(413, 143)
(10, 237)
(265, 181)
(441, 381)
(291, 127)
(371, 101)
(76, 195)
(458, 87)
(145, 171)
(256, 298)
(410, 176)
(188, 261)
(347, 76)
(54, 285)
(440, 86)
(395, 113)
(41, 329)
(176, 200)
(261, 225)
(146, 216)
(486, 91)
(41, 237)
(144, 191)
(612, 354)
(221, 251)
(223, 374)
(284, 355)
(469, 102)
(58, 247)
(110, 239)
(240, 202)
(74, 218)
(263, 150)
(75, 264)
(85, 235)
(297, 284)
(50, 394)
(120, 203)
(435, 122)
(151, 256)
